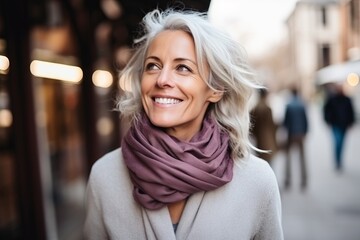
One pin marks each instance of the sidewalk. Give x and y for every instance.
(329, 209)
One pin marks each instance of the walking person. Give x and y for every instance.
(296, 125)
(264, 127)
(339, 114)
(184, 169)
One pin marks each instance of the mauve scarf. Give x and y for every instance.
(164, 169)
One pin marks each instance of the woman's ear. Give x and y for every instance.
(216, 96)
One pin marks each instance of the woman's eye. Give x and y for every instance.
(151, 66)
(183, 68)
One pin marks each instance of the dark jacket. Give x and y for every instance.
(339, 111)
(295, 120)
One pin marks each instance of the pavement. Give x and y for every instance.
(329, 209)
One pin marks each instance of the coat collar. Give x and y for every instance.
(158, 222)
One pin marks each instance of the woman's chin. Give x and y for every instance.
(162, 122)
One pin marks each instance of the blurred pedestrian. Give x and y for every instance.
(264, 127)
(339, 114)
(184, 169)
(296, 125)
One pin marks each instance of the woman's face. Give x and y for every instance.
(174, 95)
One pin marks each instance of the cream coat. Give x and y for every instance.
(248, 207)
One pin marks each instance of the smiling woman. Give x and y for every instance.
(174, 95)
(185, 163)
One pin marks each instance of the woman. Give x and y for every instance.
(184, 170)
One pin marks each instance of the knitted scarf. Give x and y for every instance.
(165, 169)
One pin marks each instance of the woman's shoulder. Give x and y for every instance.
(109, 191)
(110, 159)
(109, 168)
(253, 163)
(256, 172)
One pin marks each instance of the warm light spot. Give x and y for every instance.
(112, 8)
(6, 118)
(56, 71)
(102, 78)
(104, 126)
(353, 79)
(4, 63)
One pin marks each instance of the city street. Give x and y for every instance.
(329, 209)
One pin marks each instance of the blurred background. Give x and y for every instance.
(59, 63)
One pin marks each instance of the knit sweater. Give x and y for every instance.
(248, 207)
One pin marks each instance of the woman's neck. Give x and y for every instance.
(175, 210)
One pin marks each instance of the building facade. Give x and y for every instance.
(324, 46)
(315, 41)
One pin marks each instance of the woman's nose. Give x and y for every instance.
(165, 78)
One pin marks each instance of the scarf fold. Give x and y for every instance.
(164, 169)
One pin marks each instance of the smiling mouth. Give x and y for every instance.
(167, 100)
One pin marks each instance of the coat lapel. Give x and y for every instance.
(158, 224)
(189, 215)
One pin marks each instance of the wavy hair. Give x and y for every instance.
(229, 72)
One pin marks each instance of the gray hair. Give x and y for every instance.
(229, 72)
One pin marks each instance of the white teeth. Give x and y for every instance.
(167, 100)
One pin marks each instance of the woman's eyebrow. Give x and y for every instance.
(185, 59)
(179, 59)
(152, 57)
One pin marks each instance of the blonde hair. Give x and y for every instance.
(229, 72)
